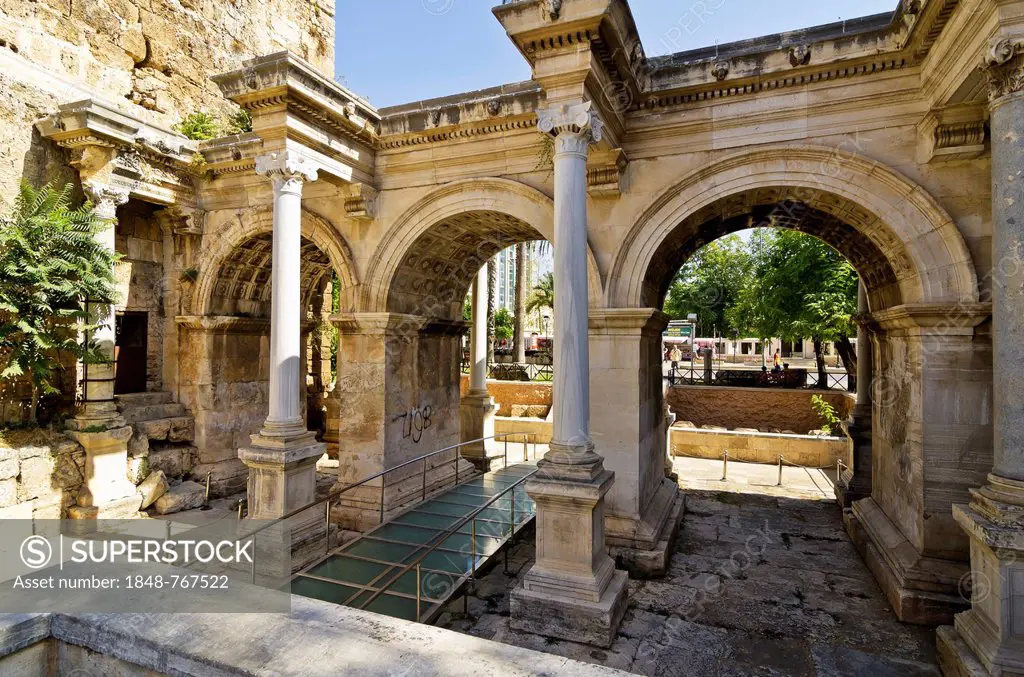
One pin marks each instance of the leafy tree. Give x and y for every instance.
(504, 324)
(710, 283)
(800, 287)
(50, 264)
(542, 295)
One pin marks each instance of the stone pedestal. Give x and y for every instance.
(990, 634)
(106, 466)
(282, 474)
(573, 590)
(477, 411)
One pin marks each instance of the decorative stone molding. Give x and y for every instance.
(799, 55)
(567, 121)
(720, 70)
(604, 174)
(360, 201)
(106, 198)
(960, 134)
(1003, 67)
(494, 107)
(553, 8)
(286, 168)
(953, 133)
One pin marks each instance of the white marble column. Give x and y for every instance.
(991, 631)
(573, 590)
(281, 460)
(477, 409)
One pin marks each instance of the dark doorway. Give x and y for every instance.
(130, 353)
(787, 349)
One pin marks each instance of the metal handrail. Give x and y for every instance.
(441, 538)
(335, 493)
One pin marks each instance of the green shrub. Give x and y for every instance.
(830, 421)
(198, 126)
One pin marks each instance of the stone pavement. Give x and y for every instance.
(764, 581)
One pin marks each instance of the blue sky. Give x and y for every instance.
(397, 51)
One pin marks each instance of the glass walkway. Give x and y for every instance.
(411, 565)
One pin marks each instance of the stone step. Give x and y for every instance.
(185, 496)
(143, 399)
(152, 412)
(174, 459)
(175, 429)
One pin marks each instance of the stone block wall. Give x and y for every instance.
(152, 58)
(758, 408)
(40, 474)
(509, 394)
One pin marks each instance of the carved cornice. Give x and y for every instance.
(604, 173)
(458, 132)
(360, 201)
(1003, 67)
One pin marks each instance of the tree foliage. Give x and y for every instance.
(709, 284)
(773, 284)
(504, 324)
(50, 263)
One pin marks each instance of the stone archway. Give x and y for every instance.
(226, 338)
(401, 352)
(929, 361)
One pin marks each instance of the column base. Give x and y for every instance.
(921, 590)
(573, 591)
(990, 637)
(576, 620)
(282, 473)
(956, 658)
(644, 547)
(477, 411)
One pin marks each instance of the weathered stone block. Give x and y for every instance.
(8, 493)
(167, 460)
(37, 478)
(185, 496)
(152, 488)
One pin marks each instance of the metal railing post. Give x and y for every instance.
(254, 559)
(423, 496)
(506, 451)
(328, 550)
(472, 563)
(725, 464)
(418, 593)
(382, 499)
(780, 472)
(512, 525)
(457, 454)
(526, 453)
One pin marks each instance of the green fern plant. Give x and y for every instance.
(50, 264)
(198, 126)
(831, 423)
(239, 122)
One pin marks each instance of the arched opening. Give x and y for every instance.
(922, 296)
(229, 337)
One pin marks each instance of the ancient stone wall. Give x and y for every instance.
(528, 399)
(758, 408)
(153, 58)
(40, 474)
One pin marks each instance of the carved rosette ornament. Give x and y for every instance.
(1003, 67)
(288, 171)
(574, 127)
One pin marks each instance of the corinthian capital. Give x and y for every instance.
(576, 122)
(1003, 67)
(105, 198)
(286, 168)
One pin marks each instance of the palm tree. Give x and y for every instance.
(518, 339)
(542, 295)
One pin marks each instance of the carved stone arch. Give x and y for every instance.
(883, 211)
(251, 231)
(465, 222)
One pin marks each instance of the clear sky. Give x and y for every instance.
(398, 51)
